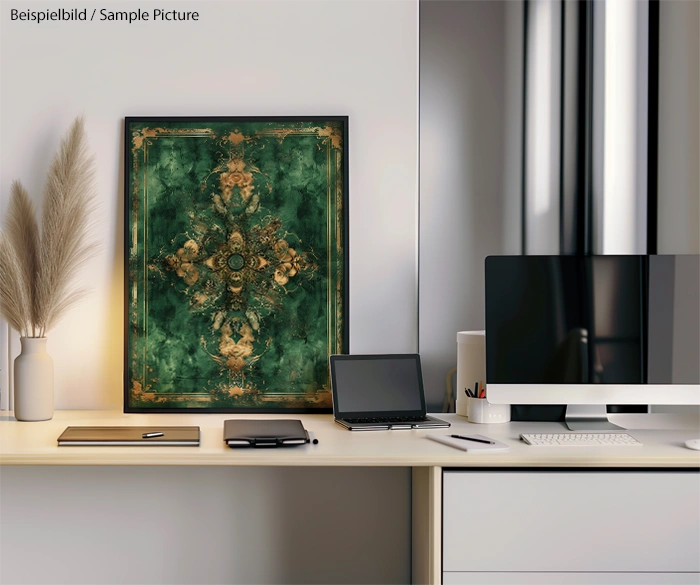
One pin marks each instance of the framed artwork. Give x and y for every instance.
(235, 263)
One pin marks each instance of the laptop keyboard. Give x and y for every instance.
(392, 419)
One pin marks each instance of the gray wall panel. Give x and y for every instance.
(462, 150)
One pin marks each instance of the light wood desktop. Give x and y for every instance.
(663, 436)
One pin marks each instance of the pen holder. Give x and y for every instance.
(479, 410)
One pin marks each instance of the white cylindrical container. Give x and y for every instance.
(479, 410)
(471, 366)
(33, 381)
(471, 373)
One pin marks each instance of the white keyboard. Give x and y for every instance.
(579, 439)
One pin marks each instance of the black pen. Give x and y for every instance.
(473, 439)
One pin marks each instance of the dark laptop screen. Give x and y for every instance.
(377, 384)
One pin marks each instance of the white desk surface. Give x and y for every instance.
(663, 435)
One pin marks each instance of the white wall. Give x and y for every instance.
(243, 57)
(463, 165)
(201, 525)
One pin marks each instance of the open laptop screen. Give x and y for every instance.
(377, 384)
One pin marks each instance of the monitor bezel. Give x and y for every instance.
(564, 394)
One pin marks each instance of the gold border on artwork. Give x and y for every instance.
(334, 213)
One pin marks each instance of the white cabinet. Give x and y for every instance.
(521, 523)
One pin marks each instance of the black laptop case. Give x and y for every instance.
(264, 433)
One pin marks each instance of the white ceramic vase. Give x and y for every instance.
(33, 381)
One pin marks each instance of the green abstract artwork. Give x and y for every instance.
(236, 252)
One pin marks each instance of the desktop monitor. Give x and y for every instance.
(587, 331)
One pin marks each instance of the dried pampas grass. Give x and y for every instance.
(36, 268)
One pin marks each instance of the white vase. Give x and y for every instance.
(33, 381)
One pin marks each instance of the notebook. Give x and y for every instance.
(124, 435)
(264, 433)
(379, 392)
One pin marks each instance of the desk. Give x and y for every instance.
(34, 444)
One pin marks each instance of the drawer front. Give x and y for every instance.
(570, 578)
(571, 521)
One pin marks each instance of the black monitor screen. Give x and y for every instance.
(377, 384)
(593, 319)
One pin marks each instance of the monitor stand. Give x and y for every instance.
(589, 417)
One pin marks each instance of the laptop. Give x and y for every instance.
(379, 392)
